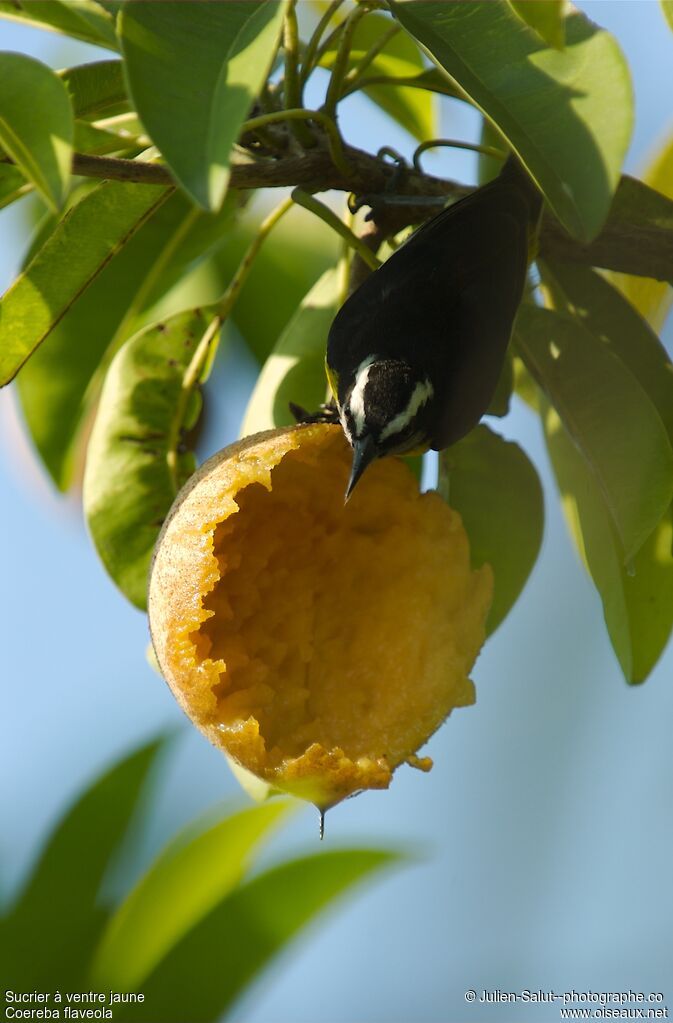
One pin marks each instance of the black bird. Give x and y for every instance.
(415, 353)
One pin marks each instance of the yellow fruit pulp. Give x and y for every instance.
(318, 644)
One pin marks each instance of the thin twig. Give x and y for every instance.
(371, 239)
(327, 44)
(308, 62)
(473, 147)
(341, 62)
(356, 73)
(291, 86)
(309, 202)
(226, 303)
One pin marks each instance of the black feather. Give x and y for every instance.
(445, 302)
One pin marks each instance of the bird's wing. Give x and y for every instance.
(473, 252)
(471, 341)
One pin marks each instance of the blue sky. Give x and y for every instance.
(546, 824)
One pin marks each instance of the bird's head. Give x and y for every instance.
(386, 411)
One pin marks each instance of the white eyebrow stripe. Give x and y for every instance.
(356, 402)
(421, 393)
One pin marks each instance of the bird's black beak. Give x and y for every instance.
(364, 453)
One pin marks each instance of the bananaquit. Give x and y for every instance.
(415, 353)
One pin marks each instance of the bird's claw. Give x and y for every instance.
(327, 413)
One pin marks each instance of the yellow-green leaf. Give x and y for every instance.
(61, 383)
(609, 416)
(80, 19)
(667, 8)
(137, 458)
(97, 88)
(638, 602)
(546, 17)
(194, 71)
(191, 876)
(400, 58)
(585, 295)
(61, 897)
(295, 369)
(636, 239)
(12, 184)
(652, 298)
(203, 974)
(550, 106)
(496, 489)
(86, 239)
(36, 124)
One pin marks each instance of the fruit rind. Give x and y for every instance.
(342, 724)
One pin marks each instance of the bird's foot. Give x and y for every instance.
(326, 414)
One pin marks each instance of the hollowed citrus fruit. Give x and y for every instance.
(318, 644)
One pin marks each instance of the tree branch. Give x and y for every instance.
(313, 170)
(637, 238)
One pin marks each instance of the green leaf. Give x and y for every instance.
(60, 901)
(586, 295)
(550, 106)
(638, 603)
(432, 80)
(88, 237)
(97, 88)
(60, 384)
(81, 19)
(637, 238)
(401, 58)
(36, 124)
(293, 257)
(653, 298)
(258, 789)
(496, 489)
(98, 141)
(488, 166)
(207, 61)
(524, 385)
(205, 972)
(546, 17)
(295, 369)
(667, 8)
(137, 459)
(12, 184)
(190, 877)
(609, 417)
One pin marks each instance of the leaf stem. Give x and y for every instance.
(309, 202)
(341, 62)
(189, 382)
(225, 304)
(356, 73)
(473, 147)
(417, 81)
(310, 54)
(292, 89)
(325, 45)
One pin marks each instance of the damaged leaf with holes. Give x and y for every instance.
(138, 457)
